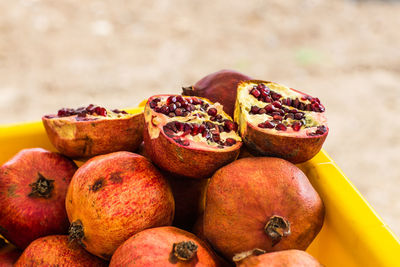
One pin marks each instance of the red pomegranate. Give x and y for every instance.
(8, 254)
(287, 258)
(55, 250)
(265, 203)
(220, 86)
(113, 196)
(93, 130)
(164, 246)
(189, 136)
(278, 121)
(33, 186)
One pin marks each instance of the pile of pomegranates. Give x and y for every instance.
(184, 198)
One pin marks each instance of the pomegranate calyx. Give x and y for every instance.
(188, 91)
(42, 187)
(254, 252)
(277, 228)
(76, 232)
(184, 250)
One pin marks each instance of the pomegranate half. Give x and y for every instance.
(93, 130)
(278, 121)
(220, 86)
(33, 186)
(55, 250)
(189, 136)
(164, 246)
(113, 196)
(265, 203)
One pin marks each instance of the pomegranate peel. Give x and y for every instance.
(90, 131)
(278, 121)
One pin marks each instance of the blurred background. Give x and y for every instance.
(71, 53)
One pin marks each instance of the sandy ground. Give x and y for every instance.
(70, 53)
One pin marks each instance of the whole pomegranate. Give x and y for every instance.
(113, 196)
(278, 121)
(33, 186)
(287, 258)
(164, 246)
(93, 130)
(265, 203)
(189, 136)
(220, 86)
(8, 254)
(55, 250)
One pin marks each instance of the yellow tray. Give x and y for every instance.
(353, 234)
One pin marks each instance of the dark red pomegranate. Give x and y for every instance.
(220, 86)
(55, 250)
(189, 136)
(8, 254)
(93, 130)
(287, 258)
(164, 246)
(278, 121)
(33, 186)
(112, 197)
(265, 203)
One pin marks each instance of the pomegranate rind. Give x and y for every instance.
(219, 87)
(287, 258)
(8, 254)
(182, 160)
(242, 196)
(55, 250)
(24, 218)
(84, 139)
(115, 196)
(296, 147)
(152, 247)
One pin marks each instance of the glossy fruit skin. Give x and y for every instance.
(243, 196)
(8, 254)
(55, 250)
(115, 196)
(24, 218)
(287, 258)
(182, 160)
(85, 139)
(152, 247)
(219, 87)
(296, 149)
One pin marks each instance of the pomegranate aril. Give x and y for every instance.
(277, 117)
(171, 99)
(179, 126)
(178, 112)
(153, 104)
(269, 108)
(230, 142)
(178, 104)
(262, 111)
(277, 104)
(275, 96)
(168, 131)
(190, 107)
(172, 107)
(280, 127)
(171, 114)
(267, 99)
(320, 130)
(209, 125)
(296, 103)
(180, 99)
(254, 110)
(197, 101)
(212, 112)
(216, 138)
(181, 142)
(230, 126)
(195, 129)
(256, 93)
(298, 116)
(302, 106)
(289, 116)
(288, 102)
(267, 124)
(308, 107)
(296, 126)
(293, 111)
(261, 86)
(202, 128)
(264, 93)
(164, 109)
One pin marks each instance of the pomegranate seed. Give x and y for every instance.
(213, 119)
(209, 125)
(267, 99)
(255, 93)
(178, 112)
(165, 110)
(254, 110)
(275, 96)
(264, 93)
(216, 138)
(293, 111)
(261, 86)
(277, 104)
(202, 128)
(269, 108)
(212, 112)
(261, 125)
(298, 116)
(289, 116)
(296, 126)
(308, 107)
(280, 127)
(153, 104)
(230, 126)
(101, 111)
(172, 107)
(230, 141)
(262, 111)
(195, 129)
(288, 101)
(197, 101)
(171, 99)
(302, 106)
(296, 103)
(315, 107)
(277, 117)
(179, 126)
(171, 114)
(320, 130)
(168, 131)
(269, 124)
(180, 99)
(178, 104)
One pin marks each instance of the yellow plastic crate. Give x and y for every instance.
(353, 234)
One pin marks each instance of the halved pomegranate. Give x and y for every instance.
(189, 136)
(278, 121)
(218, 87)
(93, 130)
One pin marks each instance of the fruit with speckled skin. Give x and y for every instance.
(219, 87)
(164, 246)
(85, 137)
(287, 258)
(33, 186)
(113, 196)
(8, 254)
(265, 203)
(55, 250)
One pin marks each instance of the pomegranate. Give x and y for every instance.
(278, 121)
(220, 86)
(55, 250)
(164, 246)
(93, 130)
(8, 254)
(33, 186)
(113, 196)
(287, 258)
(189, 136)
(265, 203)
